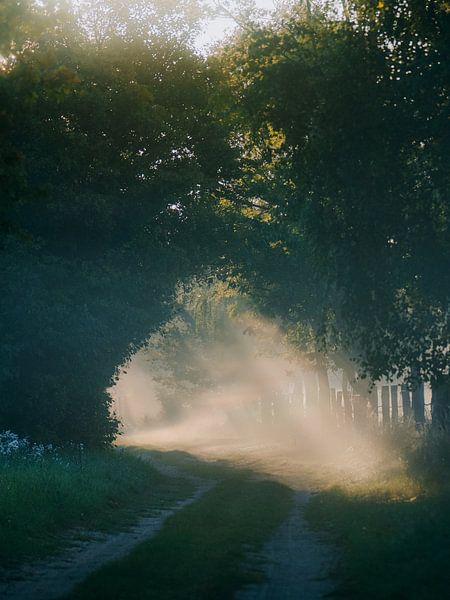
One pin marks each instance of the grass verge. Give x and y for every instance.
(202, 551)
(41, 500)
(394, 534)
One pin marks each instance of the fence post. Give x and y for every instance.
(311, 392)
(339, 415)
(394, 404)
(385, 406)
(333, 404)
(406, 403)
(348, 408)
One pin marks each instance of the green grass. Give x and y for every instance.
(394, 534)
(202, 551)
(39, 501)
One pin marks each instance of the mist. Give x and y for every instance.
(257, 395)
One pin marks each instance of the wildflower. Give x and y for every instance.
(12, 445)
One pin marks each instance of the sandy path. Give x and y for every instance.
(50, 580)
(297, 561)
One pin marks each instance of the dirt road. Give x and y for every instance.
(298, 562)
(57, 577)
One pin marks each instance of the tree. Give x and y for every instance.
(113, 145)
(215, 346)
(367, 192)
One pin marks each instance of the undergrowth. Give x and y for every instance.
(42, 499)
(393, 531)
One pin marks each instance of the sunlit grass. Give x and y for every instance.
(393, 534)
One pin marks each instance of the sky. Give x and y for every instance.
(215, 29)
(219, 28)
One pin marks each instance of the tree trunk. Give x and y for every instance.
(440, 401)
(360, 411)
(297, 395)
(311, 392)
(362, 397)
(348, 408)
(418, 403)
(324, 390)
(373, 403)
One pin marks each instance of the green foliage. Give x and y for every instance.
(287, 162)
(104, 20)
(365, 193)
(106, 150)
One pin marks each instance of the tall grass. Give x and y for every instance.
(394, 530)
(428, 457)
(40, 499)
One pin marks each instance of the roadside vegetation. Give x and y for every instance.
(393, 530)
(204, 551)
(43, 496)
(300, 170)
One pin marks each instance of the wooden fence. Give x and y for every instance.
(385, 406)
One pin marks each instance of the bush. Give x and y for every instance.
(429, 457)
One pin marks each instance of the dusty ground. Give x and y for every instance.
(48, 580)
